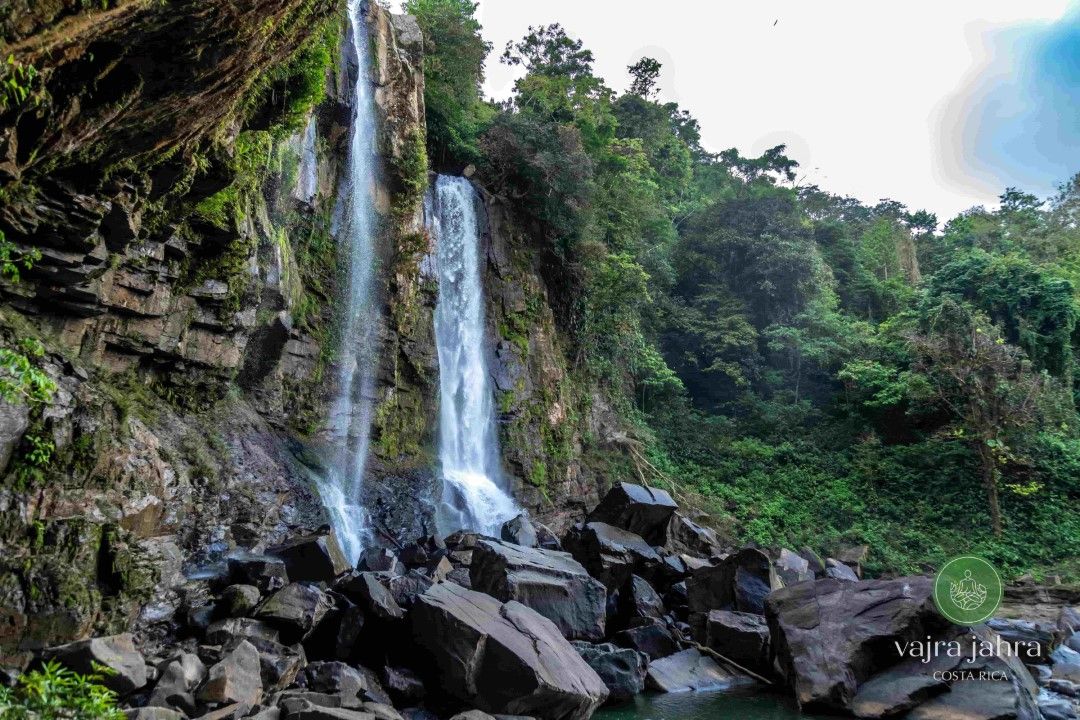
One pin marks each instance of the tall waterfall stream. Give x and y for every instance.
(473, 492)
(355, 220)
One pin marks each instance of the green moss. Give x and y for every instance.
(506, 401)
(290, 89)
(538, 475)
(410, 171)
(199, 456)
(222, 209)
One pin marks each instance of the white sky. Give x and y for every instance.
(867, 95)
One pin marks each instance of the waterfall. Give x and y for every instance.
(355, 223)
(307, 184)
(472, 492)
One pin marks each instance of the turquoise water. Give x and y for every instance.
(717, 705)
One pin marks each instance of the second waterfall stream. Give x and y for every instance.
(342, 490)
(473, 485)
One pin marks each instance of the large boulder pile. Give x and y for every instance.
(474, 627)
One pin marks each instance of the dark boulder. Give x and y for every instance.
(295, 610)
(380, 560)
(346, 681)
(610, 554)
(264, 572)
(519, 530)
(278, 664)
(854, 556)
(740, 637)
(637, 600)
(828, 636)
(691, 670)
(115, 652)
(739, 582)
(238, 600)
(1033, 641)
(642, 510)
(404, 687)
(406, 588)
(225, 632)
(336, 634)
(461, 540)
(974, 699)
(438, 567)
(903, 686)
(672, 569)
(317, 557)
(236, 678)
(503, 657)
(839, 571)
(816, 564)
(422, 551)
(622, 670)
(177, 680)
(792, 568)
(652, 638)
(365, 589)
(687, 536)
(550, 582)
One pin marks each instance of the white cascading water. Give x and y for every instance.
(307, 184)
(355, 224)
(472, 494)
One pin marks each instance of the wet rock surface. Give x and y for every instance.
(550, 582)
(408, 641)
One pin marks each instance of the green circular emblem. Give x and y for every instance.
(967, 590)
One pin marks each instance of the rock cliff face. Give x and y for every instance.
(186, 300)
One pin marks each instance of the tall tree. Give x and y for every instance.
(993, 395)
(645, 73)
(454, 54)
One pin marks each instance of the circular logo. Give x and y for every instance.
(967, 590)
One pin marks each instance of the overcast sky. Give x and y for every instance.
(937, 103)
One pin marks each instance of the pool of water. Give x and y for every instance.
(708, 705)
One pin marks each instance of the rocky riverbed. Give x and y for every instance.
(637, 598)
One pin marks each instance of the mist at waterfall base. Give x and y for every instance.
(342, 489)
(472, 495)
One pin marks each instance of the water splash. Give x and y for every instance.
(342, 490)
(473, 496)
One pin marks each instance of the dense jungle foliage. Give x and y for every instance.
(812, 369)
